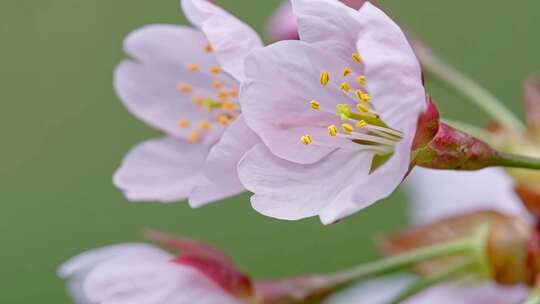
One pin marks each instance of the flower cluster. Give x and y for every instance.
(326, 121)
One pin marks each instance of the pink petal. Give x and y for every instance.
(291, 191)
(164, 170)
(231, 38)
(281, 81)
(150, 92)
(437, 194)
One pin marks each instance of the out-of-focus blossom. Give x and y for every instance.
(184, 81)
(200, 274)
(283, 25)
(137, 274)
(337, 113)
(384, 290)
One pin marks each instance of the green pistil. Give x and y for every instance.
(212, 104)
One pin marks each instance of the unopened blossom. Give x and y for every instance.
(184, 81)
(337, 113)
(283, 25)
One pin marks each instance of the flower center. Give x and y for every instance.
(220, 102)
(360, 124)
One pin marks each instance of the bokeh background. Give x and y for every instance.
(64, 132)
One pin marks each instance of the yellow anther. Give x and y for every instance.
(357, 58)
(192, 67)
(183, 123)
(361, 80)
(223, 119)
(234, 92)
(194, 136)
(365, 97)
(347, 128)
(358, 94)
(215, 70)
(361, 124)
(345, 87)
(306, 139)
(228, 106)
(208, 48)
(332, 130)
(315, 105)
(216, 84)
(184, 88)
(223, 95)
(198, 101)
(347, 71)
(362, 108)
(325, 78)
(205, 125)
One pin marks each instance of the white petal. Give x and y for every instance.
(231, 38)
(383, 290)
(440, 193)
(150, 93)
(281, 81)
(291, 191)
(209, 192)
(394, 76)
(164, 169)
(328, 24)
(222, 161)
(171, 44)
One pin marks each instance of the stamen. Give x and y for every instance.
(345, 87)
(325, 78)
(365, 97)
(234, 92)
(193, 67)
(357, 58)
(361, 80)
(306, 139)
(228, 106)
(223, 119)
(216, 84)
(361, 124)
(194, 136)
(215, 70)
(362, 108)
(347, 128)
(347, 71)
(198, 101)
(184, 88)
(205, 125)
(183, 123)
(223, 95)
(332, 130)
(358, 94)
(315, 105)
(208, 48)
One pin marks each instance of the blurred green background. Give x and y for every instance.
(64, 132)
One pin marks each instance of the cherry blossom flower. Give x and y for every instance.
(184, 81)
(337, 113)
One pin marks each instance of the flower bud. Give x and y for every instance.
(506, 250)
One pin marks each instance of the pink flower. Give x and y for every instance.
(141, 273)
(283, 26)
(337, 113)
(184, 81)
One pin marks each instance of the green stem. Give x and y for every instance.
(534, 298)
(425, 283)
(468, 88)
(404, 260)
(503, 159)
